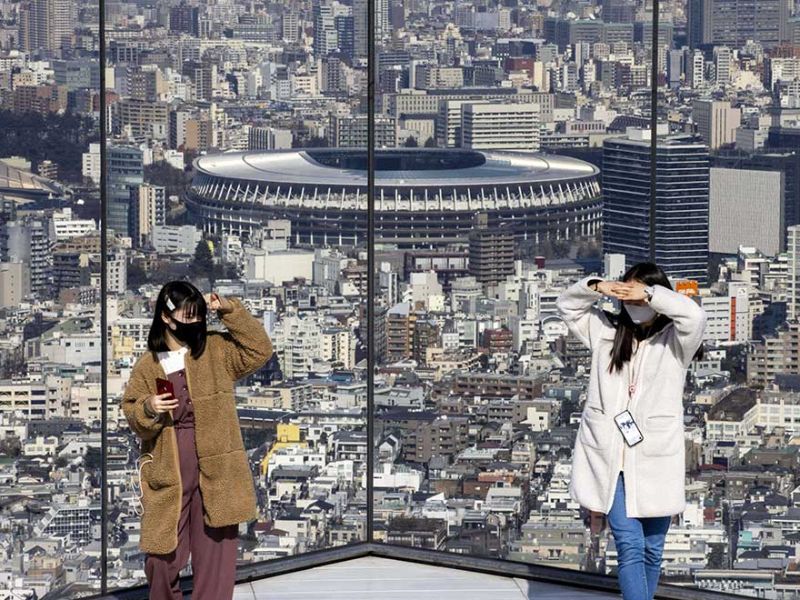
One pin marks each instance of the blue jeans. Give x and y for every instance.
(640, 544)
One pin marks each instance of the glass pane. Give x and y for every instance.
(491, 120)
(50, 367)
(236, 161)
(728, 82)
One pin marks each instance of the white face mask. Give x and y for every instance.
(639, 314)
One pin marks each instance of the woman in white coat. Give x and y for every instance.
(639, 363)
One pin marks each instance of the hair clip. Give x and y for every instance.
(170, 304)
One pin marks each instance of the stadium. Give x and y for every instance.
(425, 198)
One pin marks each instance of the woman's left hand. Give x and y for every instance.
(631, 290)
(219, 303)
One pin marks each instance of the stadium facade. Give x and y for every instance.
(425, 198)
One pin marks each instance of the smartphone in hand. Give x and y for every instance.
(164, 386)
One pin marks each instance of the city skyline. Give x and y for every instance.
(513, 151)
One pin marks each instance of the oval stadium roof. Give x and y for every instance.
(400, 167)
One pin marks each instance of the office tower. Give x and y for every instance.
(185, 19)
(290, 26)
(325, 38)
(149, 206)
(345, 34)
(787, 163)
(736, 220)
(28, 242)
(681, 203)
(618, 11)
(491, 252)
(793, 281)
(15, 283)
(46, 24)
(733, 22)
(695, 68)
(717, 122)
(125, 171)
(360, 27)
(723, 64)
(500, 126)
(675, 70)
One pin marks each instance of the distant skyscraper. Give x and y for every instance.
(46, 24)
(491, 252)
(382, 27)
(734, 22)
(125, 172)
(291, 26)
(723, 63)
(793, 248)
(325, 38)
(675, 67)
(360, 27)
(345, 33)
(716, 122)
(682, 198)
(149, 207)
(185, 19)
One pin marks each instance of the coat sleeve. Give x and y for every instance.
(246, 345)
(136, 392)
(576, 308)
(689, 320)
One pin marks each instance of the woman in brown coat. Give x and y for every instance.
(196, 482)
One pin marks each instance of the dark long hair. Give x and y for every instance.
(650, 274)
(182, 294)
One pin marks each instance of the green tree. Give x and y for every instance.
(203, 262)
(430, 143)
(411, 142)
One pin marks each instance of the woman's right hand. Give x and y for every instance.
(610, 288)
(161, 403)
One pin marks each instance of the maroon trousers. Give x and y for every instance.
(213, 549)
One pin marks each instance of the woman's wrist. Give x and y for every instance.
(148, 410)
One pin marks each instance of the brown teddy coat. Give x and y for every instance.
(226, 482)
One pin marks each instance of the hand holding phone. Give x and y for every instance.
(164, 400)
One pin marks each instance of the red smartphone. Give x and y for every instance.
(164, 386)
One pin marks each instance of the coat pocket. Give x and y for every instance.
(593, 428)
(663, 435)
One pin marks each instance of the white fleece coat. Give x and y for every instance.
(654, 469)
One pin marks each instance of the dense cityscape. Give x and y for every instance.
(513, 157)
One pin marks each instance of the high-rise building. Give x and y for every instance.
(185, 19)
(149, 205)
(675, 68)
(46, 24)
(717, 122)
(360, 27)
(681, 203)
(28, 242)
(788, 163)
(500, 126)
(733, 22)
(723, 64)
(290, 26)
(125, 172)
(325, 36)
(793, 293)
(695, 68)
(618, 11)
(345, 34)
(15, 283)
(491, 252)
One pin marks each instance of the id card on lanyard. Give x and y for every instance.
(624, 420)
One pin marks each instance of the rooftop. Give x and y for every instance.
(396, 167)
